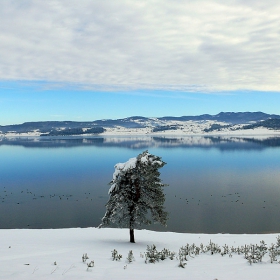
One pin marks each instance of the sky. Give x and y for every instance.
(87, 60)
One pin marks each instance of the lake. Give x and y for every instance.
(216, 184)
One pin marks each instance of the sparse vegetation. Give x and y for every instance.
(253, 253)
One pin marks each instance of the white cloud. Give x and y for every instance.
(164, 44)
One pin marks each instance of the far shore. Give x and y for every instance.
(260, 132)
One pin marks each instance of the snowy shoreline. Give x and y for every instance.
(168, 133)
(57, 254)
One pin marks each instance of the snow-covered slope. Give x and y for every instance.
(57, 254)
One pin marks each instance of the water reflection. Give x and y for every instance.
(135, 142)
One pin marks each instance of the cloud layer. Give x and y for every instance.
(160, 44)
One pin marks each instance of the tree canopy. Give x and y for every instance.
(136, 195)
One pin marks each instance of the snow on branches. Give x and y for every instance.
(135, 192)
(142, 159)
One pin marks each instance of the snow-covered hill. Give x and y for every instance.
(222, 123)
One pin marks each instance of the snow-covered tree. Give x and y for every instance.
(136, 195)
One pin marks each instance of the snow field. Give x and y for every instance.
(31, 253)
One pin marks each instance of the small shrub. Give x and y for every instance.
(130, 258)
(90, 264)
(152, 254)
(116, 256)
(84, 257)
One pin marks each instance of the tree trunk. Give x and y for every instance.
(131, 234)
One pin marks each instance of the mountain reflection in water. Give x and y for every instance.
(220, 142)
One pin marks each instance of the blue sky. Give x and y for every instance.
(115, 59)
(27, 103)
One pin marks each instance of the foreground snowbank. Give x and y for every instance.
(31, 254)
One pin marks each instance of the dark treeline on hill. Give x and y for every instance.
(216, 126)
(165, 127)
(74, 131)
(271, 123)
(44, 127)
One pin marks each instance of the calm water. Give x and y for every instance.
(215, 185)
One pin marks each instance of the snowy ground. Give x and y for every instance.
(32, 253)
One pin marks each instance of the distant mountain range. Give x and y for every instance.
(223, 120)
(228, 117)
